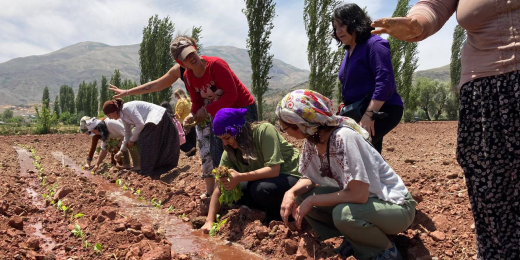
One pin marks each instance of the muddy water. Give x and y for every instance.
(184, 240)
(26, 165)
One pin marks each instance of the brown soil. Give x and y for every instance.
(423, 154)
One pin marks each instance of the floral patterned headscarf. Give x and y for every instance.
(309, 109)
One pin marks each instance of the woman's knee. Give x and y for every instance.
(342, 216)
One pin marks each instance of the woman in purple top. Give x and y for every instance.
(366, 71)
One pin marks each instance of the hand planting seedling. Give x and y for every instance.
(216, 226)
(228, 196)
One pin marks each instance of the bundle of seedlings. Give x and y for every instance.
(228, 197)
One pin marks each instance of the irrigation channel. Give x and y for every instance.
(184, 240)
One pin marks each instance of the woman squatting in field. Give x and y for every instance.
(260, 161)
(347, 188)
(154, 132)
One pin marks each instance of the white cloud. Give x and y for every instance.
(34, 27)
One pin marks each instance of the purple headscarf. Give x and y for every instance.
(229, 121)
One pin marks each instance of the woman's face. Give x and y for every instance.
(96, 132)
(229, 140)
(192, 61)
(296, 133)
(341, 32)
(113, 115)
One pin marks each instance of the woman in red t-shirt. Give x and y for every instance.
(212, 86)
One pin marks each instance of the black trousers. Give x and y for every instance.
(385, 125)
(191, 141)
(267, 194)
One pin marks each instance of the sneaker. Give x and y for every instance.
(345, 249)
(389, 254)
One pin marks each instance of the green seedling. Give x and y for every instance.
(137, 192)
(182, 216)
(79, 215)
(228, 196)
(92, 172)
(98, 248)
(85, 243)
(170, 208)
(119, 182)
(157, 203)
(59, 204)
(124, 187)
(77, 231)
(44, 179)
(65, 208)
(216, 226)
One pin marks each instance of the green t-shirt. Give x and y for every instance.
(271, 149)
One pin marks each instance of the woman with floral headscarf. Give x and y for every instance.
(347, 188)
(259, 159)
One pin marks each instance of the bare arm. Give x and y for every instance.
(153, 86)
(288, 203)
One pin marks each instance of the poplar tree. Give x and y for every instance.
(195, 34)
(404, 57)
(93, 98)
(67, 99)
(459, 37)
(154, 55)
(103, 92)
(45, 98)
(56, 104)
(323, 61)
(260, 15)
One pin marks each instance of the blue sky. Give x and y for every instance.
(35, 27)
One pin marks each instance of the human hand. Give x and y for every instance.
(207, 227)
(119, 92)
(118, 155)
(288, 207)
(401, 28)
(188, 120)
(230, 182)
(130, 144)
(302, 211)
(96, 167)
(368, 124)
(201, 115)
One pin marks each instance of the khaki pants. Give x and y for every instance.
(365, 226)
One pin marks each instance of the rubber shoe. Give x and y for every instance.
(389, 254)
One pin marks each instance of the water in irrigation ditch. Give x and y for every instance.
(182, 237)
(26, 165)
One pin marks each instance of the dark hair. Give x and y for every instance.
(119, 103)
(356, 20)
(316, 137)
(103, 130)
(169, 108)
(245, 143)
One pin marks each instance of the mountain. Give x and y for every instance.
(440, 73)
(22, 79)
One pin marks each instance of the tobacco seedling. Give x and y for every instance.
(228, 196)
(79, 215)
(119, 182)
(124, 187)
(77, 231)
(86, 244)
(98, 248)
(157, 203)
(170, 208)
(182, 216)
(59, 204)
(216, 226)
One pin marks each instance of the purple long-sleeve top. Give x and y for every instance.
(369, 70)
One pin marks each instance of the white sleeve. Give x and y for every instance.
(128, 135)
(355, 154)
(135, 117)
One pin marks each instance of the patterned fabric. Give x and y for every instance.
(203, 135)
(309, 109)
(159, 146)
(488, 150)
(216, 146)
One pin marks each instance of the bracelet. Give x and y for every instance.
(89, 159)
(371, 117)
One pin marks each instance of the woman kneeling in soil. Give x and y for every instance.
(111, 133)
(158, 137)
(348, 189)
(259, 159)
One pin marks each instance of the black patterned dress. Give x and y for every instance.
(488, 149)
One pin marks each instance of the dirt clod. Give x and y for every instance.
(16, 222)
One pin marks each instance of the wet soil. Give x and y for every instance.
(138, 217)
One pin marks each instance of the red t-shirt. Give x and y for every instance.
(219, 87)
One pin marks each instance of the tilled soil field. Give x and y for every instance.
(52, 209)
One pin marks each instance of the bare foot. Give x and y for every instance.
(207, 226)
